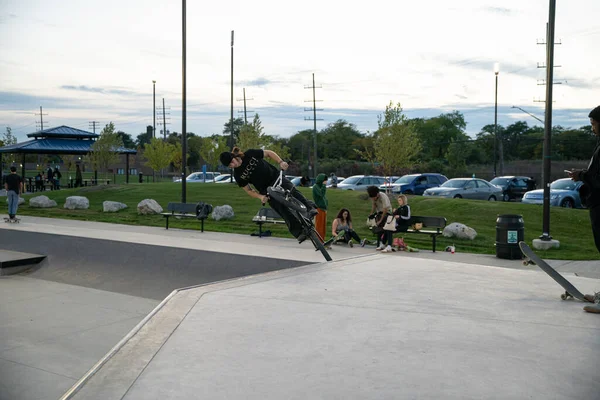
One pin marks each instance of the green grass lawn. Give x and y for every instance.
(570, 227)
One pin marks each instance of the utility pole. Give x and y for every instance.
(154, 108)
(245, 111)
(165, 122)
(231, 117)
(41, 114)
(314, 119)
(93, 125)
(545, 237)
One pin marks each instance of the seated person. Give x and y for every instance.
(343, 223)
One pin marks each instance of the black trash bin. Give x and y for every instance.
(510, 230)
(141, 180)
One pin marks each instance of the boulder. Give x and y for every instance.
(113, 206)
(459, 231)
(21, 200)
(77, 203)
(223, 212)
(41, 202)
(148, 207)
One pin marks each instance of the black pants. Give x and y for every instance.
(389, 235)
(350, 234)
(292, 223)
(595, 220)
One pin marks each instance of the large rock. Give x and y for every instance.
(41, 202)
(77, 203)
(223, 212)
(21, 200)
(459, 231)
(148, 207)
(113, 206)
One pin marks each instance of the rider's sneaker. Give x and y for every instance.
(350, 243)
(380, 247)
(595, 308)
(363, 242)
(302, 237)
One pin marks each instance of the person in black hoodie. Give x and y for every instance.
(251, 168)
(402, 216)
(590, 191)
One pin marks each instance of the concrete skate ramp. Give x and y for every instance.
(130, 268)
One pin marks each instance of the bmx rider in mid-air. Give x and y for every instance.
(251, 168)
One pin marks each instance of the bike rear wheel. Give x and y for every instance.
(314, 237)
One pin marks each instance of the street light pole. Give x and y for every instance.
(153, 109)
(231, 117)
(496, 72)
(183, 107)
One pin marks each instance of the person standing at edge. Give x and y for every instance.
(319, 191)
(590, 191)
(14, 187)
(78, 176)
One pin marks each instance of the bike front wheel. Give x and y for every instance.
(314, 237)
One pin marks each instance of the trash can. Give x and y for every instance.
(510, 230)
(141, 177)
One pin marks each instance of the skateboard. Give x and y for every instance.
(339, 236)
(532, 258)
(12, 221)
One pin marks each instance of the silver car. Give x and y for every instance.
(361, 182)
(467, 188)
(563, 193)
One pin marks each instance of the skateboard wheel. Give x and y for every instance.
(563, 296)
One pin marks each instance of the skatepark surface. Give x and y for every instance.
(129, 312)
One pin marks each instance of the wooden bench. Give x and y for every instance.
(183, 210)
(266, 215)
(432, 226)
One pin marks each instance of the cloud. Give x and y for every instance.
(257, 82)
(498, 10)
(117, 91)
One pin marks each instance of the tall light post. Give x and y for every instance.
(496, 72)
(231, 118)
(153, 109)
(183, 107)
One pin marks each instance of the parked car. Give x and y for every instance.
(563, 192)
(415, 183)
(223, 178)
(468, 188)
(196, 177)
(514, 187)
(340, 179)
(296, 181)
(361, 182)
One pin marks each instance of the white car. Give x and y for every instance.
(224, 178)
(201, 177)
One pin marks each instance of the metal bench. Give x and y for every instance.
(184, 210)
(266, 215)
(433, 226)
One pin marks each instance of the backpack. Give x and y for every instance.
(203, 209)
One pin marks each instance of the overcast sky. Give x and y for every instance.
(95, 61)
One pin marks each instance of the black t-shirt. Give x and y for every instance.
(255, 170)
(14, 182)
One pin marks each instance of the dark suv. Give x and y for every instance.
(415, 183)
(514, 187)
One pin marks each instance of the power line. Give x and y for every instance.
(41, 114)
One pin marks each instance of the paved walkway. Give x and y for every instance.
(407, 325)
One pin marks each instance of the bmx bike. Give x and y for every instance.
(283, 196)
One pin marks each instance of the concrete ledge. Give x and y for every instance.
(14, 262)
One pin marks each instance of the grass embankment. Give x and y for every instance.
(571, 227)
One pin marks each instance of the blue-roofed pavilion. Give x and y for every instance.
(60, 140)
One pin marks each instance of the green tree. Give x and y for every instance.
(144, 138)
(396, 142)
(159, 154)
(337, 140)
(211, 149)
(104, 151)
(252, 135)
(128, 142)
(457, 154)
(8, 139)
(437, 133)
(237, 125)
